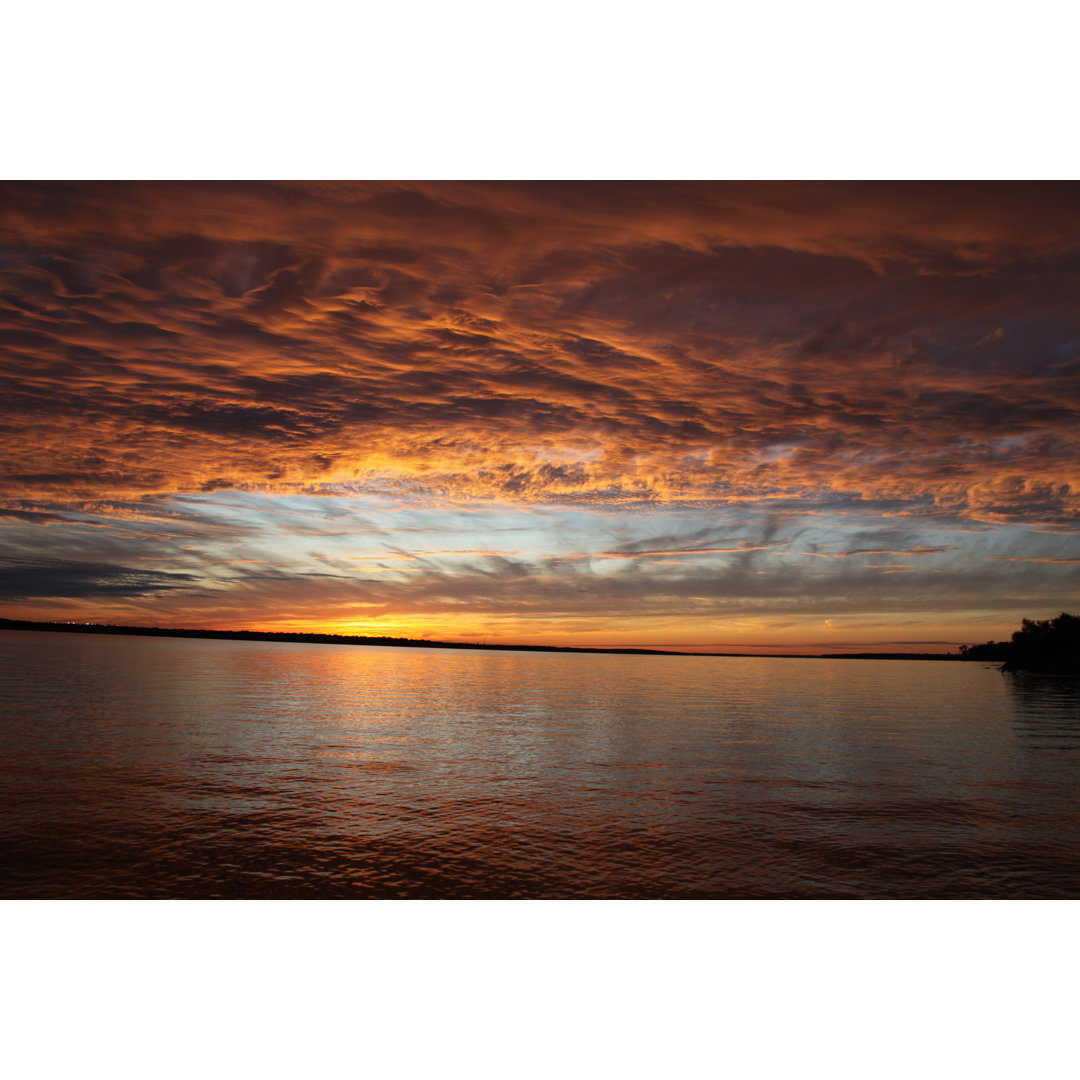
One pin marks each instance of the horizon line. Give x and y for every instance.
(305, 637)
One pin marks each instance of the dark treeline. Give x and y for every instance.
(303, 638)
(1047, 646)
(421, 643)
(994, 652)
(1050, 645)
(890, 656)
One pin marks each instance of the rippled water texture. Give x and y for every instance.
(141, 767)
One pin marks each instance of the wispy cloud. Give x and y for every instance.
(918, 551)
(1066, 561)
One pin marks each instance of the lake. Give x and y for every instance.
(164, 767)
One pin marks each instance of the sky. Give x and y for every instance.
(731, 416)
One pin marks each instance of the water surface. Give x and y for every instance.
(157, 767)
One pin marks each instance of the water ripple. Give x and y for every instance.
(156, 768)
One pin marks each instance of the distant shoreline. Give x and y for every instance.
(300, 638)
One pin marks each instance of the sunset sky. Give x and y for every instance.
(712, 416)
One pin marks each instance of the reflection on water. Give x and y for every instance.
(1046, 706)
(141, 767)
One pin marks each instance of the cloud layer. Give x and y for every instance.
(536, 342)
(807, 352)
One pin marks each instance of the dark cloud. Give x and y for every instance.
(37, 517)
(244, 421)
(83, 580)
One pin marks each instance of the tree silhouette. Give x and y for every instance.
(1046, 645)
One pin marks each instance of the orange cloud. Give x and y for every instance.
(544, 342)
